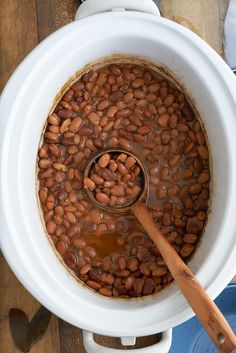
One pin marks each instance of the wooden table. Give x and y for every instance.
(23, 24)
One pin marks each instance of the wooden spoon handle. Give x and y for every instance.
(205, 309)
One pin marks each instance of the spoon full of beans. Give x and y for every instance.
(117, 181)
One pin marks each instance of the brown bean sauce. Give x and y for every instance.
(132, 108)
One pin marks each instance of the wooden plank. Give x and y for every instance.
(223, 5)
(18, 34)
(71, 338)
(203, 17)
(14, 295)
(54, 14)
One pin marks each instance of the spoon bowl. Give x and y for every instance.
(124, 208)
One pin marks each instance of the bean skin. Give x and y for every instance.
(53, 119)
(165, 174)
(118, 190)
(124, 143)
(112, 142)
(93, 284)
(138, 138)
(108, 126)
(153, 88)
(203, 152)
(159, 271)
(105, 291)
(43, 195)
(89, 251)
(61, 247)
(169, 100)
(186, 250)
(107, 278)
(51, 226)
(144, 130)
(187, 173)
(163, 120)
(85, 269)
(122, 169)
(102, 198)
(138, 287)
(137, 83)
(123, 273)
(94, 118)
(112, 111)
(204, 177)
(166, 219)
(133, 264)
(97, 179)
(104, 160)
(75, 125)
(190, 238)
(88, 183)
(44, 163)
(195, 189)
(128, 97)
(103, 104)
(122, 263)
(50, 202)
(129, 282)
(79, 243)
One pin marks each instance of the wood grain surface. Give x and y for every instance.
(23, 23)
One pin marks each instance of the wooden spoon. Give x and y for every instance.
(206, 310)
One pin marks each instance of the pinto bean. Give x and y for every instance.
(104, 160)
(190, 238)
(88, 183)
(112, 111)
(124, 143)
(154, 87)
(93, 284)
(138, 286)
(194, 225)
(94, 118)
(85, 269)
(105, 291)
(203, 152)
(186, 250)
(204, 177)
(102, 198)
(103, 104)
(133, 264)
(138, 82)
(159, 271)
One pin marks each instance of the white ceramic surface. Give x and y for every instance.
(25, 103)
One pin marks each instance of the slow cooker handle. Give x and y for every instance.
(162, 346)
(91, 7)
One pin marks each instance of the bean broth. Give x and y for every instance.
(132, 108)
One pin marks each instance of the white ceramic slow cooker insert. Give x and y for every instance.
(24, 107)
